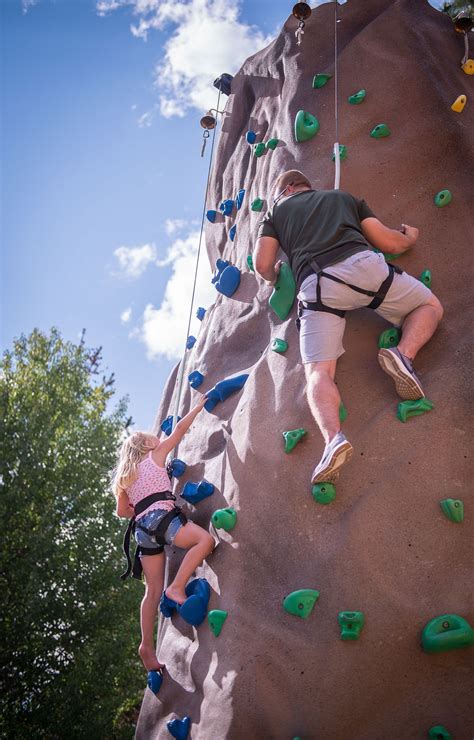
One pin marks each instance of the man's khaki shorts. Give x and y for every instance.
(321, 333)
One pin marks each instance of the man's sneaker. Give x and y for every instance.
(336, 453)
(399, 368)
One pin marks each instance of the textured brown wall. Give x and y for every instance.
(383, 546)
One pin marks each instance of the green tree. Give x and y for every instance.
(456, 6)
(69, 626)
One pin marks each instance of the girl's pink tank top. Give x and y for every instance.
(151, 479)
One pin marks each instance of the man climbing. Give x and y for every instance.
(327, 237)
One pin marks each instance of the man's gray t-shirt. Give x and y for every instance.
(325, 224)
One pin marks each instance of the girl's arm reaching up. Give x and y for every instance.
(169, 443)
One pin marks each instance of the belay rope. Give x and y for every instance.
(337, 155)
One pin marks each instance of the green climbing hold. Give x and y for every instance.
(407, 409)
(320, 80)
(323, 493)
(342, 152)
(300, 603)
(443, 198)
(306, 126)
(224, 519)
(216, 619)
(284, 292)
(279, 345)
(439, 733)
(342, 413)
(272, 143)
(453, 508)
(447, 632)
(380, 131)
(387, 257)
(257, 204)
(292, 438)
(259, 149)
(250, 263)
(425, 278)
(389, 338)
(351, 624)
(357, 98)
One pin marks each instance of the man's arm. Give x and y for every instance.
(264, 258)
(388, 240)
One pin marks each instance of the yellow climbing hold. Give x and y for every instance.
(459, 103)
(468, 67)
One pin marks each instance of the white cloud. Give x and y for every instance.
(207, 39)
(163, 329)
(133, 261)
(126, 315)
(172, 225)
(27, 4)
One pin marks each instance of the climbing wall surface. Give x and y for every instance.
(383, 546)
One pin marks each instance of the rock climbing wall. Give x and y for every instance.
(383, 546)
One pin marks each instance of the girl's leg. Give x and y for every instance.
(199, 544)
(154, 572)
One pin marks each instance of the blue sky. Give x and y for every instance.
(103, 183)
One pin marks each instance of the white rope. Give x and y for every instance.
(337, 157)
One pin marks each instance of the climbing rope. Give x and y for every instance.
(337, 158)
(183, 361)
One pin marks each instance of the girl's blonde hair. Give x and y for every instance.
(131, 453)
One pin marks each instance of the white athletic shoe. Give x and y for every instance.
(337, 452)
(399, 368)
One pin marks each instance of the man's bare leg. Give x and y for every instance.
(324, 400)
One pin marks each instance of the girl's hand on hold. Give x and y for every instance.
(201, 402)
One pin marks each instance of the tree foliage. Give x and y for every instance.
(69, 625)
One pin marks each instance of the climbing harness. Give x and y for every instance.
(301, 12)
(377, 296)
(158, 533)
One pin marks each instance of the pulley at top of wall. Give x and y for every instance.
(463, 24)
(301, 12)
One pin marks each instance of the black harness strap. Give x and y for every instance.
(317, 305)
(139, 509)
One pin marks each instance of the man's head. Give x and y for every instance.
(291, 181)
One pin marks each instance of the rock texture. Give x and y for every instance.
(383, 547)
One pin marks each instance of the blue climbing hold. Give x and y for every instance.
(190, 342)
(239, 199)
(177, 467)
(223, 390)
(167, 424)
(194, 609)
(200, 313)
(211, 216)
(179, 728)
(154, 681)
(226, 278)
(193, 493)
(226, 207)
(250, 137)
(195, 379)
(232, 232)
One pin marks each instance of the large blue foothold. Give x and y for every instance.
(179, 728)
(226, 207)
(200, 313)
(195, 379)
(239, 199)
(193, 493)
(223, 390)
(191, 341)
(194, 609)
(154, 681)
(226, 278)
(232, 231)
(211, 216)
(177, 467)
(167, 424)
(250, 137)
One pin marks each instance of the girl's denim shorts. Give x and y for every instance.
(151, 521)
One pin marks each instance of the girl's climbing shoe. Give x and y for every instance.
(167, 606)
(337, 452)
(400, 368)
